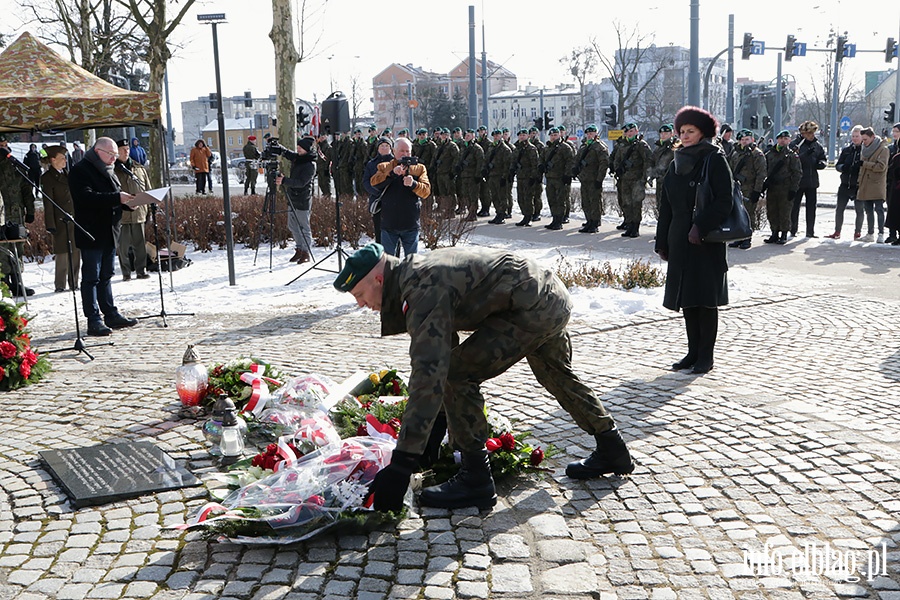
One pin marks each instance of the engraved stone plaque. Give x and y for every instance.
(111, 472)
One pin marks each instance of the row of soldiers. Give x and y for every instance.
(477, 171)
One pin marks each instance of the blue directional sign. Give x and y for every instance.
(579, 132)
(849, 50)
(758, 47)
(800, 49)
(845, 123)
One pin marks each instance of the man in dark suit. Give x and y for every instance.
(98, 202)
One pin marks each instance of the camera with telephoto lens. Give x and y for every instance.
(406, 161)
(272, 150)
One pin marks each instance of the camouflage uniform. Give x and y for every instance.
(782, 181)
(18, 203)
(445, 158)
(508, 184)
(748, 166)
(371, 146)
(131, 232)
(537, 190)
(564, 137)
(251, 152)
(323, 163)
(424, 150)
(516, 309)
(484, 191)
(632, 162)
(663, 153)
(468, 173)
(360, 158)
(558, 161)
(496, 171)
(525, 168)
(345, 166)
(591, 164)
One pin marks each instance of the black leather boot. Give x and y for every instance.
(525, 222)
(473, 485)
(692, 327)
(554, 225)
(631, 231)
(622, 226)
(590, 227)
(611, 456)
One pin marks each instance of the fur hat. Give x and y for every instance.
(809, 127)
(699, 118)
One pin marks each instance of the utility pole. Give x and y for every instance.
(729, 94)
(778, 123)
(473, 93)
(484, 81)
(694, 73)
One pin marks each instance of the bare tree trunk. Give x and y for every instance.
(287, 57)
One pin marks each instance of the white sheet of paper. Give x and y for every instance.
(149, 197)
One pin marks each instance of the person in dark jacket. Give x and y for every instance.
(384, 151)
(847, 164)
(892, 221)
(32, 160)
(403, 186)
(696, 279)
(98, 201)
(55, 183)
(138, 154)
(812, 160)
(299, 192)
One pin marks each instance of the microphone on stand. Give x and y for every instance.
(121, 166)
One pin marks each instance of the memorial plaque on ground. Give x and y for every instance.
(110, 472)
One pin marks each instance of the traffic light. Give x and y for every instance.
(547, 119)
(248, 100)
(747, 46)
(214, 100)
(840, 50)
(890, 50)
(539, 123)
(767, 122)
(890, 113)
(611, 116)
(789, 47)
(302, 117)
(754, 121)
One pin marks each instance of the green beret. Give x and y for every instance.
(358, 266)
(561, 127)
(421, 130)
(402, 131)
(522, 132)
(496, 132)
(372, 127)
(482, 128)
(743, 133)
(666, 127)
(386, 131)
(553, 130)
(783, 133)
(470, 130)
(455, 129)
(437, 130)
(629, 125)
(357, 130)
(445, 130)
(505, 130)
(590, 128)
(533, 129)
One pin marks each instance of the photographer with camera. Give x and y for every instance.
(298, 188)
(402, 182)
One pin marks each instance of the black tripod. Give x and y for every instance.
(269, 212)
(162, 301)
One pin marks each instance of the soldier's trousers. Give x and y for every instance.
(346, 182)
(325, 184)
(779, 202)
(446, 190)
(468, 197)
(592, 199)
(507, 187)
(498, 193)
(358, 182)
(250, 180)
(631, 193)
(525, 195)
(753, 211)
(484, 192)
(132, 236)
(538, 335)
(537, 191)
(556, 196)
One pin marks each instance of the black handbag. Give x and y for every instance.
(736, 226)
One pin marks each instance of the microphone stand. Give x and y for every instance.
(78, 346)
(162, 302)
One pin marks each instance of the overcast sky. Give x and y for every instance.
(362, 37)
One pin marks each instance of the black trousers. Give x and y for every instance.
(811, 199)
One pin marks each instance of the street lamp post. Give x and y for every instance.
(214, 19)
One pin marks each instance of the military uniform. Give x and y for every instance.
(516, 309)
(508, 184)
(564, 137)
(528, 176)
(496, 171)
(445, 157)
(537, 190)
(557, 163)
(360, 158)
(663, 153)
(748, 166)
(424, 150)
(131, 234)
(484, 191)
(591, 164)
(251, 153)
(323, 167)
(18, 207)
(345, 166)
(782, 181)
(468, 174)
(632, 162)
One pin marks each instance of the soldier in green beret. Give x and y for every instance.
(445, 157)
(557, 163)
(496, 171)
(591, 164)
(632, 162)
(468, 171)
(537, 189)
(515, 309)
(525, 169)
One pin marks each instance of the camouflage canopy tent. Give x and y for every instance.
(41, 91)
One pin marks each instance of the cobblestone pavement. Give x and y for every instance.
(792, 440)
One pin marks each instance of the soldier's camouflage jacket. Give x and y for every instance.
(663, 154)
(748, 165)
(471, 161)
(592, 161)
(445, 157)
(525, 161)
(632, 159)
(558, 159)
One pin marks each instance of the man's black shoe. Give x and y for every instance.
(611, 456)
(745, 245)
(97, 328)
(497, 220)
(525, 222)
(118, 321)
(622, 226)
(484, 213)
(535, 218)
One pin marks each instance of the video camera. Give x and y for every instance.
(406, 161)
(273, 148)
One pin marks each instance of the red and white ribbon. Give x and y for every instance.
(260, 395)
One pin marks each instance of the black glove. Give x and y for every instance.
(754, 197)
(29, 218)
(391, 483)
(567, 179)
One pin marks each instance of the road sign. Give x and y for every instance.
(800, 49)
(579, 132)
(845, 123)
(849, 50)
(758, 47)
(614, 134)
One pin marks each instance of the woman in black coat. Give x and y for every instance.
(696, 281)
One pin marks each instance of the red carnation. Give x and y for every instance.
(493, 444)
(361, 430)
(508, 441)
(271, 449)
(7, 350)
(395, 423)
(2, 324)
(537, 456)
(29, 357)
(24, 322)
(25, 370)
(2, 373)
